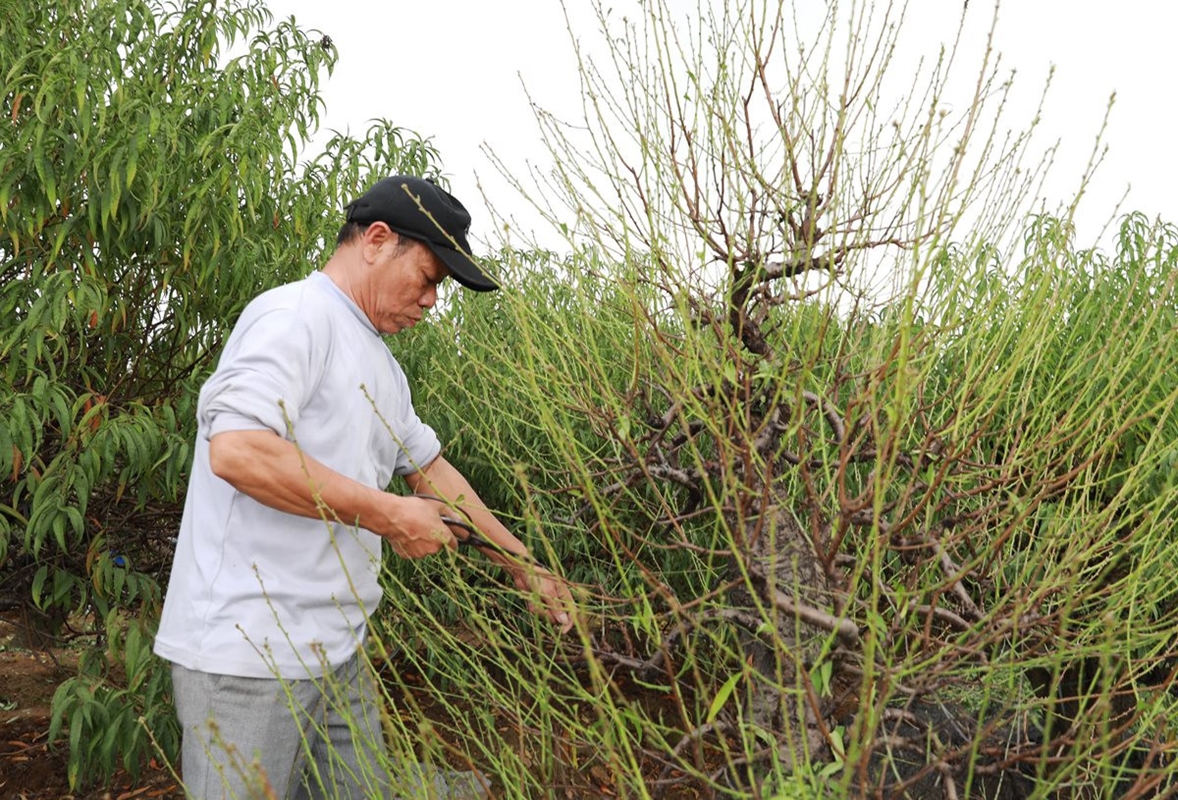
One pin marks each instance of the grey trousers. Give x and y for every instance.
(247, 738)
(266, 739)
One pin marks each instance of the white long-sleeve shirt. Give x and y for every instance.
(257, 592)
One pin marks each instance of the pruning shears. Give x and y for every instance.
(472, 536)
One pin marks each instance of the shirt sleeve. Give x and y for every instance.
(264, 376)
(418, 445)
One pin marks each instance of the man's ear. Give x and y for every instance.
(376, 236)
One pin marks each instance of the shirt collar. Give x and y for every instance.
(326, 284)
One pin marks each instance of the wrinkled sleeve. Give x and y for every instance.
(263, 379)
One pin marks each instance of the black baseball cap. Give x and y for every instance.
(422, 210)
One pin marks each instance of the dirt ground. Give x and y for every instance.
(29, 768)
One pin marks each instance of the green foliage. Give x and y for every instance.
(135, 175)
(1018, 453)
(115, 718)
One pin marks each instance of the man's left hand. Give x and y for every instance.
(556, 602)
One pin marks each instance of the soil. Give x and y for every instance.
(29, 768)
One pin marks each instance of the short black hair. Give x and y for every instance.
(351, 231)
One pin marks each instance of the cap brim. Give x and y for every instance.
(464, 269)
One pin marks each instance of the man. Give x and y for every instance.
(301, 428)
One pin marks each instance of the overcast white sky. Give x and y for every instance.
(455, 71)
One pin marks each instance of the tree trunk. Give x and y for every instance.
(781, 562)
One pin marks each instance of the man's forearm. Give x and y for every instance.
(276, 473)
(442, 479)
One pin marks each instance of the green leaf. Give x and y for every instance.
(722, 696)
(39, 578)
(820, 676)
(58, 527)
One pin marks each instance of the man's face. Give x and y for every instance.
(405, 284)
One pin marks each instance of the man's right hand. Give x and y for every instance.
(415, 527)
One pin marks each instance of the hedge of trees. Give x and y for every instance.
(861, 466)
